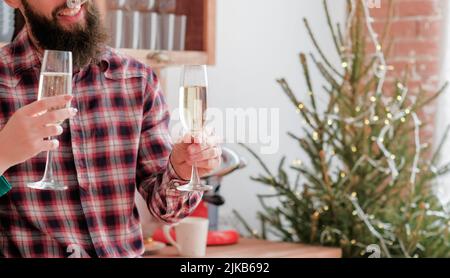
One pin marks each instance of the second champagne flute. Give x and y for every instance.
(193, 105)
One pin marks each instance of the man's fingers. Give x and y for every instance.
(51, 130)
(208, 164)
(56, 116)
(49, 145)
(202, 139)
(209, 153)
(46, 104)
(185, 139)
(196, 149)
(211, 142)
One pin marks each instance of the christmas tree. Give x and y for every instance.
(369, 176)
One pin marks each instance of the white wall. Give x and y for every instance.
(257, 42)
(443, 117)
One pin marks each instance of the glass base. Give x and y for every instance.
(46, 185)
(194, 187)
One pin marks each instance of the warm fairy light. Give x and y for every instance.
(387, 122)
(393, 157)
(315, 136)
(344, 65)
(407, 111)
(343, 175)
(403, 119)
(366, 122)
(354, 149)
(358, 109)
(373, 99)
(301, 106)
(375, 118)
(297, 163)
(389, 115)
(354, 194)
(399, 98)
(326, 208)
(330, 122)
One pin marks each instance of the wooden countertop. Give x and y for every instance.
(253, 248)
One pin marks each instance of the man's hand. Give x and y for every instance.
(205, 153)
(23, 137)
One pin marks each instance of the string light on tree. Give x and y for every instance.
(297, 163)
(315, 136)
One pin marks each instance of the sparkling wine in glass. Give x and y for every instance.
(55, 80)
(193, 105)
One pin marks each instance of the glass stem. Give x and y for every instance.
(48, 174)
(195, 178)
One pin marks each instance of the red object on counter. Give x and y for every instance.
(214, 237)
(201, 210)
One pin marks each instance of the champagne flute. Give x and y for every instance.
(193, 104)
(55, 79)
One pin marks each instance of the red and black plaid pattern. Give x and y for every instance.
(118, 142)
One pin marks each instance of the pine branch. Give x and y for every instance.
(266, 169)
(245, 224)
(303, 110)
(318, 48)
(331, 28)
(424, 103)
(325, 73)
(438, 151)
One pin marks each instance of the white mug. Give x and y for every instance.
(191, 234)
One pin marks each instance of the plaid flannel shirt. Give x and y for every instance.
(117, 143)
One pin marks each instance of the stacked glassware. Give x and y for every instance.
(6, 22)
(146, 24)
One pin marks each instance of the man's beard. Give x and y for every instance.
(84, 40)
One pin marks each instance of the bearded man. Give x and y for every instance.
(116, 142)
